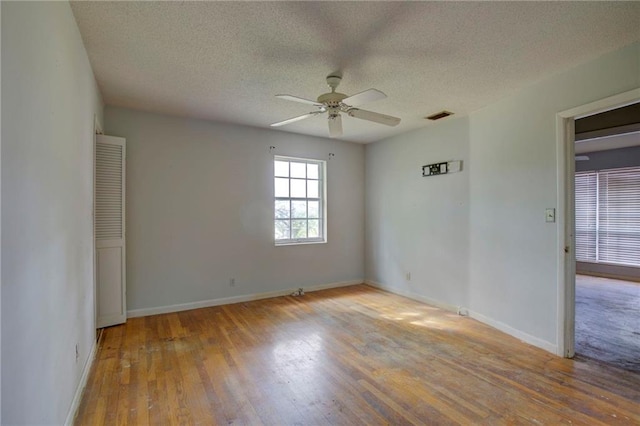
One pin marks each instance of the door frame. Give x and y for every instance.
(565, 145)
(97, 130)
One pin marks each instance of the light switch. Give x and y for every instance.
(550, 215)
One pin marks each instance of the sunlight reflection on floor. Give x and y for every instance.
(450, 322)
(295, 355)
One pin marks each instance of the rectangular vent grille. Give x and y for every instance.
(439, 115)
(109, 191)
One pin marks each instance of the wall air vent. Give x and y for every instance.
(439, 115)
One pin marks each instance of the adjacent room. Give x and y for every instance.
(607, 194)
(318, 213)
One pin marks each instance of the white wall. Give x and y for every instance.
(513, 258)
(419, 225)
(199, 210)
(511, 263)
(49, 98)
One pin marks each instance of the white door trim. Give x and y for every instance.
(565, 149)
(97, 130)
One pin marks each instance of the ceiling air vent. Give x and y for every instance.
(439, 115)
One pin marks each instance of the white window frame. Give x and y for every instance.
(322, 198)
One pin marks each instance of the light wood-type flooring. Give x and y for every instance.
(353, 355)
(608, 321)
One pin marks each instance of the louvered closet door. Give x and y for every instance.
(110, 231)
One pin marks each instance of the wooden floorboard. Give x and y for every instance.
(353, 355)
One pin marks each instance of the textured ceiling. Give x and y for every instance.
(225, 61)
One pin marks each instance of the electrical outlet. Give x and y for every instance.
(232, 282)
(77, 353)
(408, 276)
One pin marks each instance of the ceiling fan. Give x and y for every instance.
(335, 103)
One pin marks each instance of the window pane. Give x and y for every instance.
(282, 187)
(282, 229)
(314, 228)
(298, 189)
(298, 229)
(312, 171)
(299, 209)
(282, 209)
(312, 189)
(314, 209)
(281, 168)
(299, 170)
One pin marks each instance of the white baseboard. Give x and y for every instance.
(414, 296)
(234, 299)
(77, 397)
(527, 338)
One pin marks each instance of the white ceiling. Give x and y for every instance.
(225, 61)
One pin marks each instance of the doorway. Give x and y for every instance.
(566, 127)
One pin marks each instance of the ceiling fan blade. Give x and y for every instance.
(362, 114)
(301, 100)
(335, 125)
(294, 119)
(364, 97)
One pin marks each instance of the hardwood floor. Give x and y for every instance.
(354, 355)
(608, 321)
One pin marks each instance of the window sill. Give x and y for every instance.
(624, 265)
(299, 243)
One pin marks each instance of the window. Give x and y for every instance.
(608, 216)
(299, 202)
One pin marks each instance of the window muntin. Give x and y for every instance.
(608, 216)
(299, 200)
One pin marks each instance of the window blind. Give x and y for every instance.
(586, 209)
(608, 216)
(619, 216)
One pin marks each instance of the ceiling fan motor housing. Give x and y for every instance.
(332, 99)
